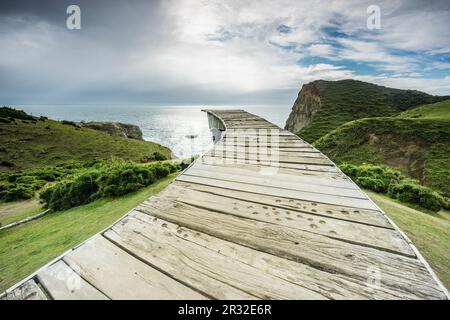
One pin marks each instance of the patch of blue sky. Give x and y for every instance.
(359, 68)
(333, 31)
(436, 73)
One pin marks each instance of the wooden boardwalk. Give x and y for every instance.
(243, 224)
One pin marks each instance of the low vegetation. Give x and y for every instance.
(104, 180)
(429, 231)
(25, 248)
(392, 182)
(23, 185)
(416, 142)
(28, 142)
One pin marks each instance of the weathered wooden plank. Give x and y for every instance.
(318, 251)
(62, 283)
(263, 133)
(276, 181)
(263, 137)
(333, 286)
(266, 156)
(280, 177)
(362, 216)
(121, 276)
(382, 238)
(264, 141)
(163, 245)
(281, 146)
(282, 193)
(26, 291)
(277, 164)
(267, 170)
(265, 151)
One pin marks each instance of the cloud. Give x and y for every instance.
(182, 51)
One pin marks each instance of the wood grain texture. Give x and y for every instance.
(276, 182)
(382, 238)
(63, 283)
(121, 276)
(162, 244)
(332, 286)
(282, 193)
(362, 216)
(315, 250)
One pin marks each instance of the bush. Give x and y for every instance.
(14, 114)
(107, 180)
(80, 190)
(383, 179)
(6, 164)
(376, 178)
(158, 156)
(70, 123)
(23, 185)
(417, 194)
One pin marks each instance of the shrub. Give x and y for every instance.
(107, 180)
(383, 179)
(70, 123)
(417, 194)
(376, 178)
(12, 192)
(80, 190)
(158, 156)
(14, 114)
(6, 163)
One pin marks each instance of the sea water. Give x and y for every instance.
(183, 129)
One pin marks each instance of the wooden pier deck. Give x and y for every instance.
(241, 224)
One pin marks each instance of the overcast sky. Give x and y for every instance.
(215, 52)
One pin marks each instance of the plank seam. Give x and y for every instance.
(361, 244)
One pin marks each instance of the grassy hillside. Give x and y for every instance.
(348, 100)
(430, 232)
(417, 142)
(27, 142)
(435, 111)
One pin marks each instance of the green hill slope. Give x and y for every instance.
(27, 142)
(416, 142)
(323, 106)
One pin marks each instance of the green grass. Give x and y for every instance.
(436, 111)
(19, 210)
(418, 146)
(348, 100)
(430, 233)
(25, 248)
(29, 144)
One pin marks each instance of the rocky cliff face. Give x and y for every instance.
(307, 104)
(116, 129)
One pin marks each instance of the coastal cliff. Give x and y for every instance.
(322, 106)
(306, 105)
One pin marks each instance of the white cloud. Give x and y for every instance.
(231, 46)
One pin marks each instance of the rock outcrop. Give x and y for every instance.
(116, 129)
(307, 104)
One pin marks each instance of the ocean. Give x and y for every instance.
(168, 125)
